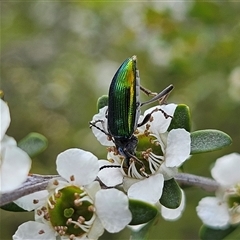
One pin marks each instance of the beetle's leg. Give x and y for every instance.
(161, 97)
(93, 124)
(148, 116)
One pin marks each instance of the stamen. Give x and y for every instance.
(154, 162)
(57, 194)
(39, 212)
(50, 204)
(81, 219)
(77, 202)
(133, 172)
(72, 237)
(91, 208)
(72, 178)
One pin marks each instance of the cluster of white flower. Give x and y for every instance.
(74, 206)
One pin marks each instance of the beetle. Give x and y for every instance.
(124, 109)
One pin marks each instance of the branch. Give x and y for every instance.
(186, 179)
(35, 183)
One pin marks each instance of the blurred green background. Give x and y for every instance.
(57, 58)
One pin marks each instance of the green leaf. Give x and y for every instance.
(181, 118)
(143, 233)
(142, 212)
(207, 233)
(172, 195)
(33, 144)
(102, 102)
(13, 207)
(208, 140)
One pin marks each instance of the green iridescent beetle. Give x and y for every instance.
(124, 109)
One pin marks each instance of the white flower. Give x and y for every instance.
(224, 209)
(76, 207)
(165, 152)
(100, 122)
(14, 162)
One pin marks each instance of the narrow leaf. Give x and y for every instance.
(207, 233)
(208, 140)
(33, 144)
(142, 212)
(181, 118)
(171, 196)
(102, 102)
(143, 232)
(13, 207)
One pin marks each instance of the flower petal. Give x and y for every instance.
(33, 200)
(111, 175)
(96, 230)
(213, 212)
(112, 209)
(178, 147)
(7, 142)
(92, 189)
(148, 189)
(100, 121)
(5, 118)
(226, 170)
(81, 164)
(160, 123)
(34, 230)
(167, 172)
(15, 166)
(173, 214)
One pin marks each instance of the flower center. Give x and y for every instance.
(71, 212)
(149, 158)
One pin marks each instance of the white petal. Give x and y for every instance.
(173, 214)
(5, 118)
(81, 164)
(148, 190)
(110, 176)
(34, 230)
(7, 142)
(213, 212)
(92, 189)
(160, 123)
(178, 147)
(226, 170)
(102, 124)
(112, 209)
(32, 201)
(96, 230)
(167, 172)
(15, 166)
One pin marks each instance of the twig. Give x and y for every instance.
(35, 183)
(207, 184)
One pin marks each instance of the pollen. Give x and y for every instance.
(55, 182)
(41, 231)
(35, 201)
